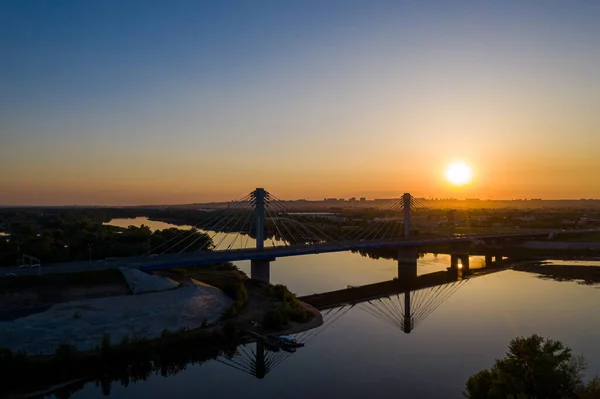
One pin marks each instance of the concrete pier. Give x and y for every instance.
(454, 261)
(466, 263)
(489, 260)
(460, 252)
(260, 269)
(407, 263)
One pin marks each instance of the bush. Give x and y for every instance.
(289, 309)
(534, 367)
(275, 319)
(240, 296)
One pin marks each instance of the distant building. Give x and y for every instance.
(363, 199)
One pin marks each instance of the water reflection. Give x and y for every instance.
(142, 220)
(257, 359)
(356, 354)
(404, 311)
(582, 274)
(407, 310)
(222, 240)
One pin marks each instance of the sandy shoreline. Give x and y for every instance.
(83, 323)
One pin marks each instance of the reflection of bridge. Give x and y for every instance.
(398, 303)
(405, 311)
(403, 284)
(264, 216)
(256, 359)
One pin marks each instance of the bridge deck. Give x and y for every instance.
(211, 257)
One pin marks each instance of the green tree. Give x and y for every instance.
(534, 367)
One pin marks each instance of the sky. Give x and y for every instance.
(157, 102)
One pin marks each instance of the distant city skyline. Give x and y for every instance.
(170, 102)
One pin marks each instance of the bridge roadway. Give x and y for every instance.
(384, 289)
(211, 257)
(166, 261)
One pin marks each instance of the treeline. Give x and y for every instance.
(81, 235)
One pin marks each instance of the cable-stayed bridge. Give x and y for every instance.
(243, 230)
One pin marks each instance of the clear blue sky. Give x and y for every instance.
(125, 102)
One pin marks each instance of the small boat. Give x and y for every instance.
(289, 341)
(288, 349)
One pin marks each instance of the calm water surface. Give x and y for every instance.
(361, 353)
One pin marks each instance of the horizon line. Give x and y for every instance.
(301, 199)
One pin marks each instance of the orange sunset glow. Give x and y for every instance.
(316, 113)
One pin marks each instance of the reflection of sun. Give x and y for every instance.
(458, 173)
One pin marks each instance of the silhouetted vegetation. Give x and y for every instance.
(285, 310)
(534, 367)
(132, 360)
(240, 295)
(587, 275)
(68, 235)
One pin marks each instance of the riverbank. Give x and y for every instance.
(83, 323)
(23, 295)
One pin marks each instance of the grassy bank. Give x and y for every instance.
(285, 308)
(273, 306)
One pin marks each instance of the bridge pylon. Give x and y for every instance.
(260, 269)
(406, 202)
(259, 199)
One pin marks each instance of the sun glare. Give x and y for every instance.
(459, 173)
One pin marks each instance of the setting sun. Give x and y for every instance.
(458, 173)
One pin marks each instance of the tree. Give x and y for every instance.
(534, 367)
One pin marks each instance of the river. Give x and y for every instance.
(362, 352)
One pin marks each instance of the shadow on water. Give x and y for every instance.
(585, 275)
(69, 370)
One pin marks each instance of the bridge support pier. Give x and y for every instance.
(498, 259)
(464, 261)
(260, 269)
(407, 263)
(489, 261)
(454, 261)
(460, 252)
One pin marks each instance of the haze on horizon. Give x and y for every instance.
(157, 102)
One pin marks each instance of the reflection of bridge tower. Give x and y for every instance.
(254, 359)
(405, 311)
(258, 360)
